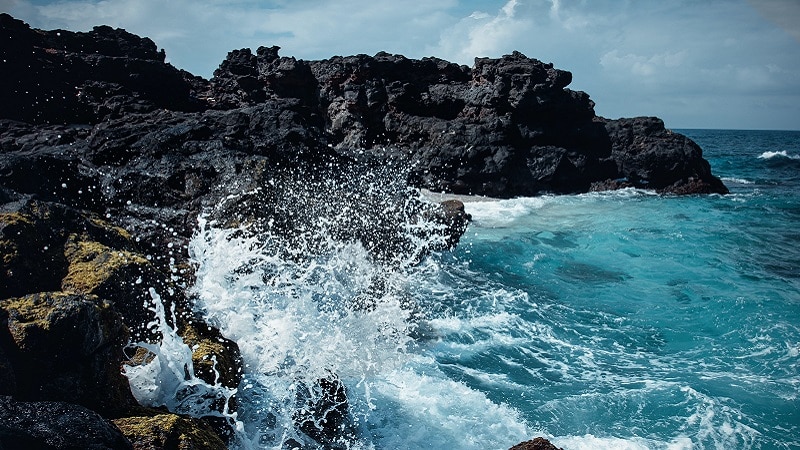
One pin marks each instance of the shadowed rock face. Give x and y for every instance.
(55, 425)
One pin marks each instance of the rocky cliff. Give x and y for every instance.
(108, 155)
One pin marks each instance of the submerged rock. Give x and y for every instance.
(536, 444)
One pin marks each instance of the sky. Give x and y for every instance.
(731, 64)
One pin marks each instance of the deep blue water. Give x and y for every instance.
(618, 320)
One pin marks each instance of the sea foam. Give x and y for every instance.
(778, 154)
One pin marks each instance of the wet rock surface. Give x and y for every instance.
(535, 444)
(108, 155)
(168, 432)
(55, 425)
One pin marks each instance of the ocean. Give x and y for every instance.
(613, 320)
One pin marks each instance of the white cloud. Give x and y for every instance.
(482, 34)
(643, 66)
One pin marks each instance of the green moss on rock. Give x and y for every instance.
(92, 265)
(208, 344)
(169, 432)
(67, 347)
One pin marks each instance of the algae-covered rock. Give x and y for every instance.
(169, 432)
(55, 426)
(68, 347)
(120, 276)
(215, 358)
(32, 238)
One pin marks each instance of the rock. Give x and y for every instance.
(8, 380)
(20, 239)
(215, 358)
(649, 155)
(120, 276)
(454, 220)
(30, 227)
(323, 412)
(67, 348)
(84, 77)
(169, 432)
(54, 426)
(536, 444)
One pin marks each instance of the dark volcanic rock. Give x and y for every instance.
(67, 348)
(84, 77)
(55, 426)
(649, 155)
(535, 444)
(323, 412)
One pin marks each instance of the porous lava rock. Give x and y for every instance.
(55, 425)
(538, 443)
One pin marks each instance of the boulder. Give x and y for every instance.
(33, 235)
(119, 276)
(215, 358)
(67, 347)
(323, 412)
(539, 443)
(55, 425)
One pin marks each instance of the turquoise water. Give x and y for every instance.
(667, 322)
(619, 320)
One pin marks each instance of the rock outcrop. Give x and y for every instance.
(108, 155)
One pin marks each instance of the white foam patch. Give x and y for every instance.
(591, 442)
(780, 154)
(436, 412)
(502, 213)
(733, 180)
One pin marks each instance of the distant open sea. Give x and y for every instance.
(616, 320)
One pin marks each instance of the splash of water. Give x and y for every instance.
(319, 294)
(166, 374)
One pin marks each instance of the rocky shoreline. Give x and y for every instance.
(108, 155)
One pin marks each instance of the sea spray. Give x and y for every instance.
(321, 291)
(166, 377)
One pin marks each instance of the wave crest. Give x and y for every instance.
(783, 154)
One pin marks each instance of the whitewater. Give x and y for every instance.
(613, 320)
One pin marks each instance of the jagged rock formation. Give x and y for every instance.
(108, 155)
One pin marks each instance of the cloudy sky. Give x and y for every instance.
(694, 63)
